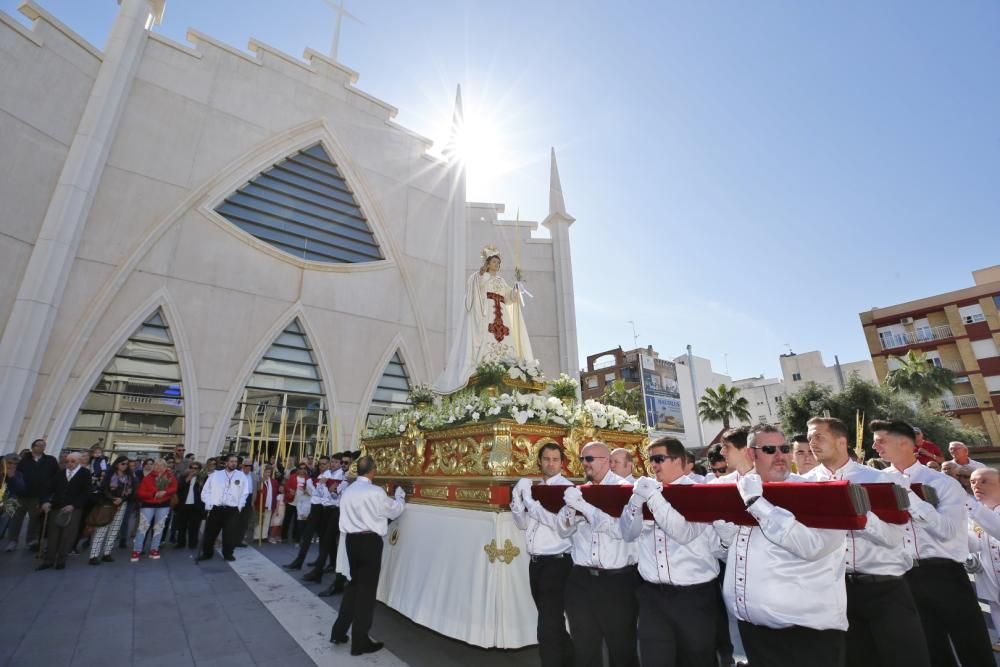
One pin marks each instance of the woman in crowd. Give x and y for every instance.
(117, 488)
(297, 500)
(12, 485)
(155, 491)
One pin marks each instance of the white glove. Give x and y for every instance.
(574, 498)
(400, 493)
(647, 487)
(750, 486)
(523, 488)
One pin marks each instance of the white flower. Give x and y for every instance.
(520, 416)
(475, 416)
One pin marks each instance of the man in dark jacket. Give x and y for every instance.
(65, 509)
(190, 509)
(38, 470)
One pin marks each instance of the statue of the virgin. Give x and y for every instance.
(492, 325)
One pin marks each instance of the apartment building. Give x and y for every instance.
(957, 330)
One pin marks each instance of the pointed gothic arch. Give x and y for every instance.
(395, 361)
(286, 378)
(139, 392)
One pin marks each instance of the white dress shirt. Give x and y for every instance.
(539, 524)
(225, 489)
(782, 573)
(629, 479)
(671, 549)
(878, 548)
(973, 464)
(696, 478)
(597, 541)
(336, 489)
(984, 531)
(936, 532)
(365, 508)
(319, 492)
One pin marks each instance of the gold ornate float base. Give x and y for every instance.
(473, 466)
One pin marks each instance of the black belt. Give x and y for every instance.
(538, 558)
(859, 578)
(925, 562)
(600, 572)
(677, 589)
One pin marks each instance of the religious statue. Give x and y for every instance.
(492, 325)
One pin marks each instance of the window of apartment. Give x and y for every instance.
(592, 382)
(993, 383)
(610, 377)
(796, 377)
(984, 349)
(777, 399)
(996, 300)
(971, 314)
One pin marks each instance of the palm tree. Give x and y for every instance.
(722, 404)
(917, 375)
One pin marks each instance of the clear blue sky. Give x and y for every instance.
(743, 175)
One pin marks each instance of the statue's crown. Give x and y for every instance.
(489, 251)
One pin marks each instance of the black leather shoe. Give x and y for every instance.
(43, 566)
(326, 593)
(330, 568)
(313, 576)
(202, 557)
(242, 545)
(311, 563)
(294, 565)
(60, 566)
(339, 588)
(371, 647)
(229, 558)
(339, 639)
(94, 561)
(107, 559)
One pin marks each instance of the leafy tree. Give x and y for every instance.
(872, 401)
(919, 377)
(722, 404)
(629, 400)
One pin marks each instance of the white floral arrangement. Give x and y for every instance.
(524, 369)
(466, 407)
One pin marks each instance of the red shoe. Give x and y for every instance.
(135, 557)
(154, 553)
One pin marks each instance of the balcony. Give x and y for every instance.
(922, 335)
(956, 367)
(963, 402)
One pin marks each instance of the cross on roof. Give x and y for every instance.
(341, 12)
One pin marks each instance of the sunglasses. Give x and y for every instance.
(660, 458)
(720, 470)
(591, 459)
(771, 449)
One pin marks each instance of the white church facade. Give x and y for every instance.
(197, 239)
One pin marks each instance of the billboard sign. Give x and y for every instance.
(661, 395)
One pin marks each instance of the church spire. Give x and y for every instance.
(457, 121)
(557, 205)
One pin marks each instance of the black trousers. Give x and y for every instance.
(602, 608)
(885, 628)
(357, 609)
(547, 576)
(227, 521)
(793, 647)
(723, 642)
(677, 624)
(187, 521)
(61, 539)
(289, 522)
(328, 540)
(314, 526)
(949, 610)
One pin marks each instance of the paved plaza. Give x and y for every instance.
(173, 612)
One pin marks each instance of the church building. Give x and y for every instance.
(202, 245)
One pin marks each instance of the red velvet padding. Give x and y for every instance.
(886, 503)
(814, 504)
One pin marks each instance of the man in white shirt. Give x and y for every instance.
(784, 581)
(937, 539)
(739, 459)
(984, 531)
(365, 512)
(224, 494)
(679, 603)
(802, 454)
(960, 455)
(550, 559)
(622, 464)
(319, 501)
(339, 580)
(884, 628)
(332, 479)
(600, 592)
